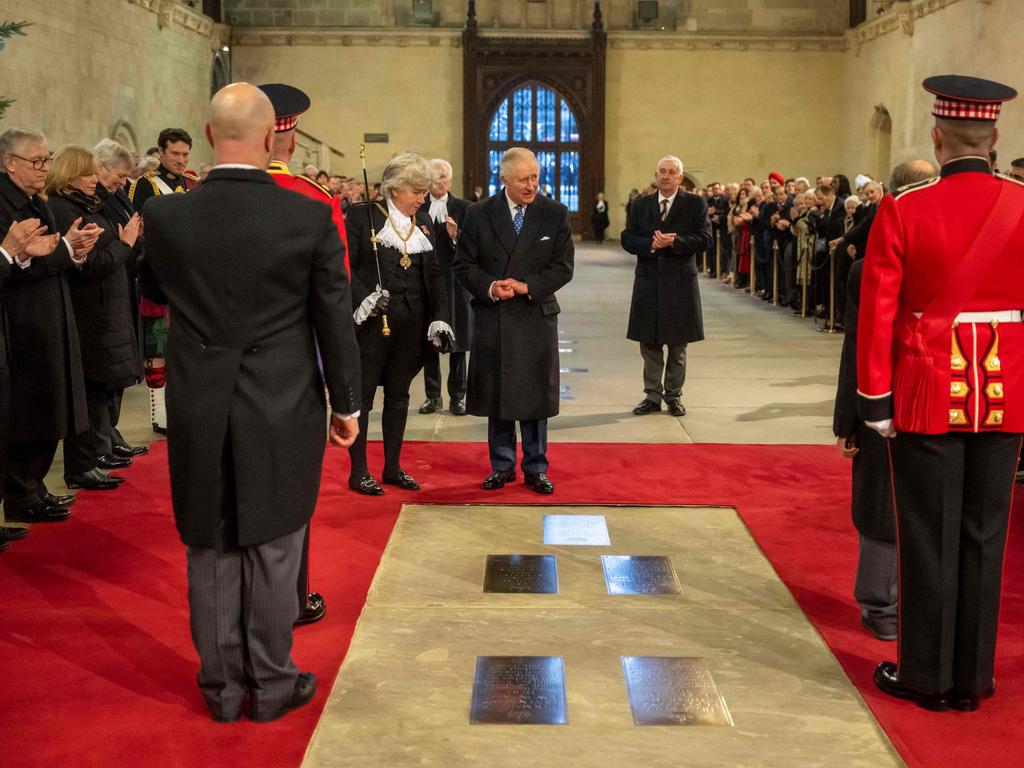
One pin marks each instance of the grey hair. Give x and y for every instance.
(439, 162)
(13, 138)
(406, 171)
(147, 164)
(512, 156)
(674, 159)
(110, 154)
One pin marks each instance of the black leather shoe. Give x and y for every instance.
(964, 701)
(458, 407)
(888, 682)
(431, 405)
(314, 609)
(56, 501)
(92, 481)
(497, 480)
(13, 533)
(646, 406)
(881, 628)
(366, 485)
(130, 451)
(676, 408)
(539, 483)
(37, 513)
(107, 476)
(113, 462)
(403, 480)
(305, 687)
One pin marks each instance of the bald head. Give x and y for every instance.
(911, 172)
(241, 125)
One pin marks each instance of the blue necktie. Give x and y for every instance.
(517, 220)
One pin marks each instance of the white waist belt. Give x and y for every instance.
(1003, 316)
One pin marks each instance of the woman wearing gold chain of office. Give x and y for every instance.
(400, 305)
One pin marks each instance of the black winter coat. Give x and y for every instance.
(251, 271)
(47, 396)
(513, 364)
(666, 298)
(99, 292)
(872, 481)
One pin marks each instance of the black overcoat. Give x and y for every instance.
(665, 308)
(513, 364)
(47, 396)
(100, 294)
(872, 482)
(250, 271)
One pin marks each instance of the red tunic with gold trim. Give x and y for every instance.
(916, 243)
(305, 186)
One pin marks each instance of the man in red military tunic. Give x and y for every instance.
(290, 102)
(941, 371)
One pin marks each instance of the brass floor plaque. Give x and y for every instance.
(529, 574)
(519, 690)
(639, 575)
(673, 690)
(577, 530)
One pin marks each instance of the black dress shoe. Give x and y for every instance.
(497, 480)
(539, 483)
(37, 513)
(314, 609)
(966, 701)
(113, 462)
(888, 682)
(881, 628)
(458, 407)
(646, 406)
(403, 480)
(56, 501)
(13, 533)
(107, 476)
(130, 451)
(305, 687)
(676, 408)
(92, 481)
(431, 405)
(366, 485)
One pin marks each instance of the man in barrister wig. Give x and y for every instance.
(289, 103)
(940, 360)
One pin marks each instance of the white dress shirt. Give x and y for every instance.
(439, 208)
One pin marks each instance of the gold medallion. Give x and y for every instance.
(405, 262)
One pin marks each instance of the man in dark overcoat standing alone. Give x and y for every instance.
(666, 231)
(254, 276)
(515, 252)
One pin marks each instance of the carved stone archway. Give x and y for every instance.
(574, 67)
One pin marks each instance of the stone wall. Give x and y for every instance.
(88, 69)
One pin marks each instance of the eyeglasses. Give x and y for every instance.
(39, 163)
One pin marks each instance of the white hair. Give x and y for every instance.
(852, 199)
(15, 138)
(110, 154)
(439, 162)
(406, 171)
(673, 159)
(513, 156)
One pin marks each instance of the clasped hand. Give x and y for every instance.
(509, 288)
(662, 239)
(27, 239)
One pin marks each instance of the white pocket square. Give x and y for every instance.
(546, 237)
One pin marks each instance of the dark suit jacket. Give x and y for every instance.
(666, 299)
(251, 271)
(513, 368)
(857, 235)
(47, 387)
(872, 485)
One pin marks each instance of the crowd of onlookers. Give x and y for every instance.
(792, 242)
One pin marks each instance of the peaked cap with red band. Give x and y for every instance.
(958, 97)
(289, 102)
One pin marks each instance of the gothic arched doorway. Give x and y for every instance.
(538, 118)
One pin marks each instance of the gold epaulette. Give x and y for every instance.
(915, 186)
(191, 176)
(147, 175)
(321, 187)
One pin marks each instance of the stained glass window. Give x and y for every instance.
(535, 117)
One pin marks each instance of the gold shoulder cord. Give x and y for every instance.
(405, 262)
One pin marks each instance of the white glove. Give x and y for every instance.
(883, 427)
(436, 330)
(371, 305)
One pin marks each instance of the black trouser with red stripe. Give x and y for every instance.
(952, 495)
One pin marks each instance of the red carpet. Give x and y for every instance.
(97, 667)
